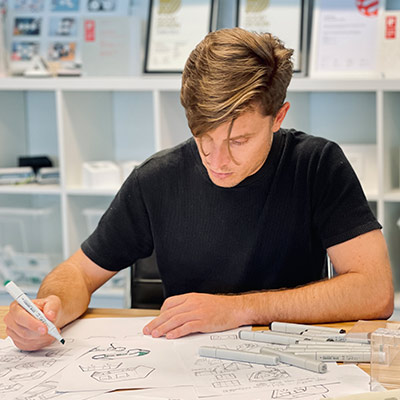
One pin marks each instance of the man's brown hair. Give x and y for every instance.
(229, 72)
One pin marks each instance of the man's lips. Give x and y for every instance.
(220, 174)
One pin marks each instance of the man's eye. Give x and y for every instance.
(238, 142)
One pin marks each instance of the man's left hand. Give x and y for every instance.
(197, 312)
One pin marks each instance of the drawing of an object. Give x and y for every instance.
(9, 358)
(9, 387)
(56, 353)
(224, 377)
(223, 368)
(4, 372)
(101, 367)
(271, 374)
(123, 374)
(226, 384)
(35, 364)
(43, 391)
(247, 346)
(114, 355)
(299, 392)
(28, 376)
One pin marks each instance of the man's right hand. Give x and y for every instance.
(26, 331)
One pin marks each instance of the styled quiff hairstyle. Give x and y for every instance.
(229, 72)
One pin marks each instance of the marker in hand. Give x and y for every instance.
(24, 301)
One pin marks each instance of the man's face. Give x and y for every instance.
(229, 160)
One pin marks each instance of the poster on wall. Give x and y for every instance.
(286, 19)
(345, 39)
(53, 29)
(175, 27)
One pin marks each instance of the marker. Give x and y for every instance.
(335, 338)
(294, 359)
(277, 337)
(324, 349)
(333, 356)
(287, 327)
(238, 355)
(24, 301)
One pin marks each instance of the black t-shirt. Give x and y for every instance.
(270, 231)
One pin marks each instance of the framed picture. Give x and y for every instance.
(174, 28)
(345, 39)
(286, 19)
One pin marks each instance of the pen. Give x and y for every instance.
(287, 327)
(297, 361)
(238, 355)
(24, 301)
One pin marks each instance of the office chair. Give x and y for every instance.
(146, 288)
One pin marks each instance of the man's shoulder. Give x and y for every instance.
(168, 160)
(300, 139)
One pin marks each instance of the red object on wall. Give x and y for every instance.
(390, 27)
(89, 30)
(368, 8)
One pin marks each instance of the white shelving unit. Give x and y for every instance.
(87, 119)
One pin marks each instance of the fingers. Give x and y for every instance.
(26, 331)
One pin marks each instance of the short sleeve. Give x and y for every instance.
(340, 208)
(123, 234)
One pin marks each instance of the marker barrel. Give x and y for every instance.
(297, 361)
(24, 301)
(331, 356)
(238, 355)
(288, 327)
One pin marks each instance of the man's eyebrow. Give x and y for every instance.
(244, 135)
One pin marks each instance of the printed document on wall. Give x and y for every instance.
(345, 38)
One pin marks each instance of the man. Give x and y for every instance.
(241, 216)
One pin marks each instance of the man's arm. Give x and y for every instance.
(63, 296)
(362, 290)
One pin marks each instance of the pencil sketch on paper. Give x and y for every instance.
(118, 352)
(123, 374)
(45, 390)
(35, 364)
(9, 387)
(301, 391)
(28, 376)
(269, 374)
(101, 367)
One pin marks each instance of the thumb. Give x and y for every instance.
(50, 306)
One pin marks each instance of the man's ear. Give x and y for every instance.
(280, 116)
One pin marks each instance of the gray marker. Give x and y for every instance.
(288, 327)
(295, 360)
(238, 355)
(276, 337)
(333, 356)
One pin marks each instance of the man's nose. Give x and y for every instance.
(219, 157)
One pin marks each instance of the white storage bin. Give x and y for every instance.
(92, 216)
(28, 243)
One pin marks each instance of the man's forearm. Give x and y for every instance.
(344, 298)
(68, 284)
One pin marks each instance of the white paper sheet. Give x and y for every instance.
(124, 364)
(21, 371)
(213, 377)
(106, 328)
